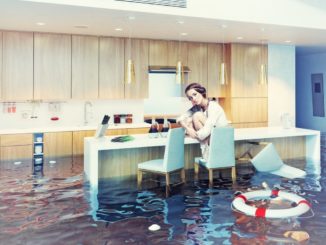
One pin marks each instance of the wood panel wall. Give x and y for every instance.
(17, 74)
(111, 68)
(85, 67)
(52, 66)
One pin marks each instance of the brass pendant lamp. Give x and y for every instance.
(179, 71)
(263, 80)
(179, 74)
(222, 70)
(130, 66)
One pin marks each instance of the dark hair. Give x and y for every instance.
(196, 86)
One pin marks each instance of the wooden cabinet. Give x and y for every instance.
(138, 51)
(111, 68)
(245, 69)
(249, 110)
(197, 62)
(177, 51)
(137, 130)
(158, 52)
(17, 72)
(84, 77)
(57, 144)
(248, 99)
(167, 53)
(78, 141)
(52, 66)
(215, 58)
(16, 146)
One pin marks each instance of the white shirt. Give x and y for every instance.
(215, 118)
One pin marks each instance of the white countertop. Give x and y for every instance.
(94, 146)
(71, 128)
(143, 140)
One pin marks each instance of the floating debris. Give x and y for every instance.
(154, 227)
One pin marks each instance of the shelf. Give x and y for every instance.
(38, 154)
(38, 142)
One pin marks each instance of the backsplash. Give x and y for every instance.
(70, 113)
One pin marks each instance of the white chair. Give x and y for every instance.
(173, 160)
(268, 160)
(221, 153)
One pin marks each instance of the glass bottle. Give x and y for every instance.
(153, 130)
(129, 118)
(165, 128)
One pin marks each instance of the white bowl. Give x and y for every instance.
(39, 139)
(38, 160)
(38, 149)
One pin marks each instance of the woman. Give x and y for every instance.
(199, 120)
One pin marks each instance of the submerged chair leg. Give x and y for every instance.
(234, 174)
(167, 186)
(139, 178)
(210, 177)
(183, 175)
(167, 179)
(196, 166)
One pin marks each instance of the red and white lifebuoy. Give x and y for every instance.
(239, 203)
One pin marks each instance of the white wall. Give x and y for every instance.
(306, 65)
(281, 83)
(71, 113)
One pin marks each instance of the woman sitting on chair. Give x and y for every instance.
(205, 114)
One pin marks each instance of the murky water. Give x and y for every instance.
(51, 204)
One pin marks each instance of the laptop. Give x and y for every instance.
(100, 132)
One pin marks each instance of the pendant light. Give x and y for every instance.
(263, 66)
(130, 66)
(179, 71)
(179, 74)
(223, 73)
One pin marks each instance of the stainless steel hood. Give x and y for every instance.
(166, 69)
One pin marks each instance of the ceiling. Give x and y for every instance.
(24, 16)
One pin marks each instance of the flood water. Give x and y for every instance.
(52, 204)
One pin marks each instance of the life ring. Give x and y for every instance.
(239, 203)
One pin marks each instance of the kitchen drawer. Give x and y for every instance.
(138, 130)
(121, 131)
(57, 144)
(16, 139)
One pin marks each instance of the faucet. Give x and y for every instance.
(87, 112)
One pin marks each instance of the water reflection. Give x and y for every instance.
(51, 204)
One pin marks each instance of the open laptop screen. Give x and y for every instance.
(100, 132)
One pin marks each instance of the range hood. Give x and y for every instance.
(166, 69)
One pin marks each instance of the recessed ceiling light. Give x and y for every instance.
(262, 29)
(239, 38)
(131, 17)
(118, 29)
(288, 41)
(180, 22)
(40, 23)
(224, 26)
(183, 33)
(81, 26)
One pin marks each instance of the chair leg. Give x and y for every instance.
(167, 187)
(210, 177)
(234, 174)
(183, 175)
(167, 179)
(196, 166)
(139, 178)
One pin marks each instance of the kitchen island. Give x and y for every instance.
(106, 159)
